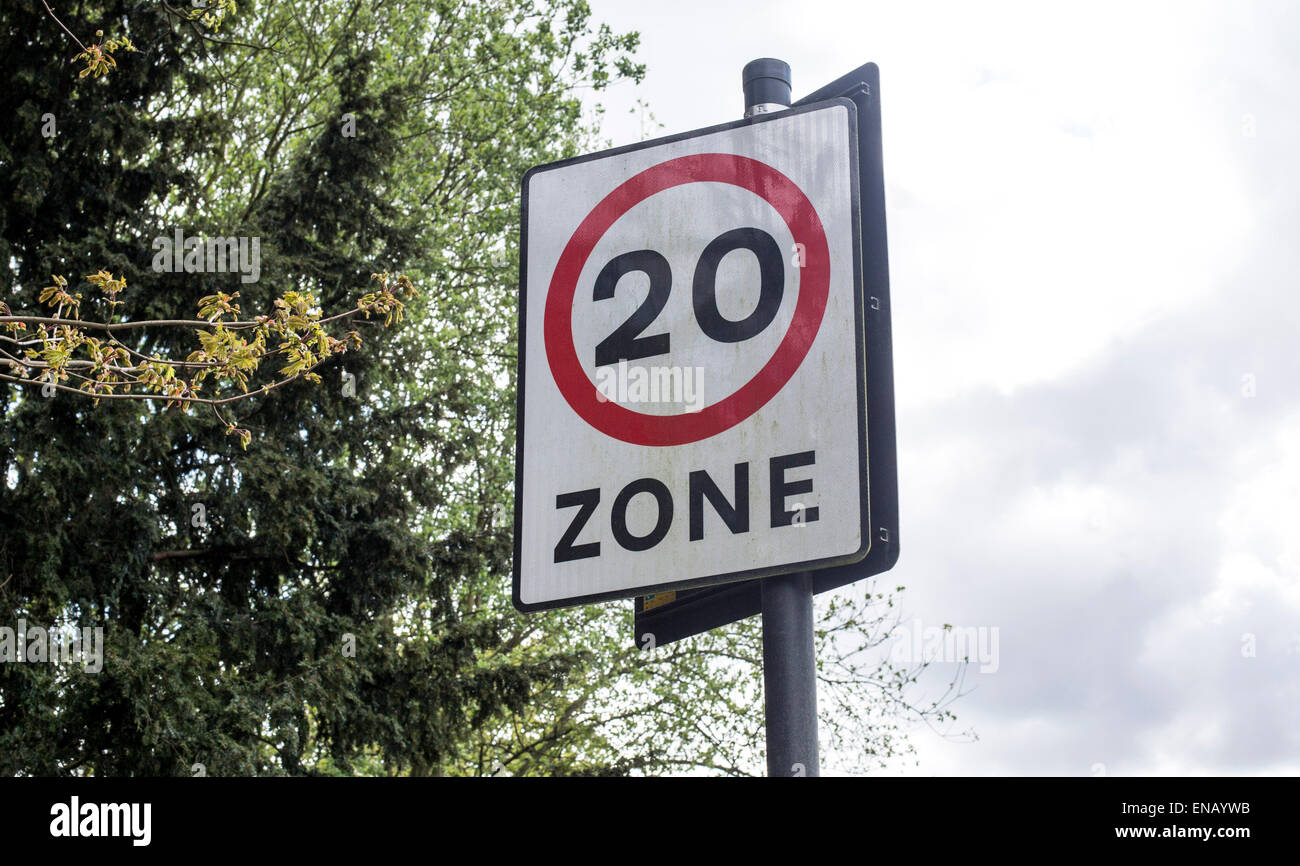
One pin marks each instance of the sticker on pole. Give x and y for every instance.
(691, 363)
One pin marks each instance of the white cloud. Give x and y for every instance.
(1092, 216)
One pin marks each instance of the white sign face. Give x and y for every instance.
(692, 405)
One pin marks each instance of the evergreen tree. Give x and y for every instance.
(288, 609)
(335, 598)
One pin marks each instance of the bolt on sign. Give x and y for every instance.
(692, 406)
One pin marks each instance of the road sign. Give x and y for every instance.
(692, 405)
(676, 615)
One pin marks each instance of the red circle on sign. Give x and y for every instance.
(814, 283)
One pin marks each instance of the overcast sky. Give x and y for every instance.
(1094, 234)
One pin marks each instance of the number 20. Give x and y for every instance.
(626, 344)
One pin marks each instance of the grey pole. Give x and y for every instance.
(789, 660)
(767, 85)
(789, 675)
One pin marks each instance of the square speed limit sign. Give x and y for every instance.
(692, 401)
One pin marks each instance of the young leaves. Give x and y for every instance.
(230, 349)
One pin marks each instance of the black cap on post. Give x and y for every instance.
(767, 85)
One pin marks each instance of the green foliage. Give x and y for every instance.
(226, 626)
(334, 599)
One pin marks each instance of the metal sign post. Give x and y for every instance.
(789, 676)
(697, 331)
(789, 658)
